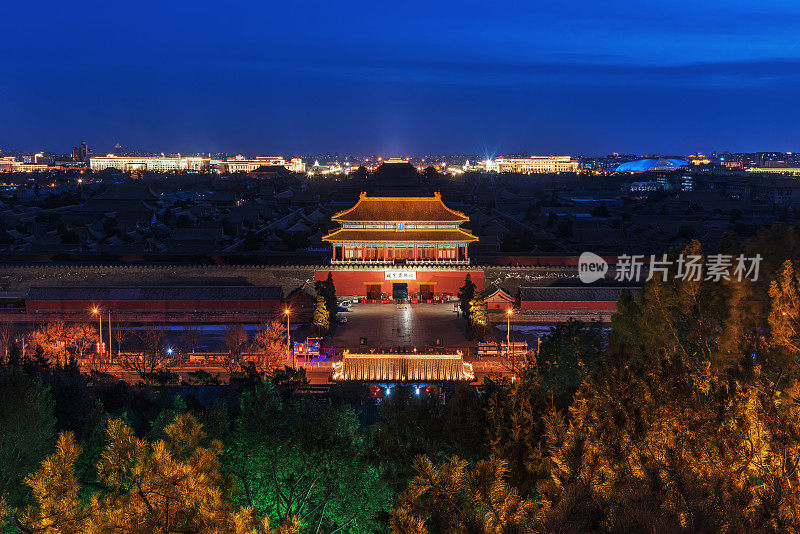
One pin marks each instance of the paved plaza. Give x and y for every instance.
(409, 325)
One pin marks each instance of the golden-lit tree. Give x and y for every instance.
(478, 316)
(269, 347)
(321, 317)
(175, 484)
(51, 337)
(675, 448)
(81, 338)
(459, 497)
(7, 331)
(784, 316)
(703, 319)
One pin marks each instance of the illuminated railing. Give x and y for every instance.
(403, 368)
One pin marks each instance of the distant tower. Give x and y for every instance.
(83, 152)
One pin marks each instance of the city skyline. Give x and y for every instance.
(446, 78)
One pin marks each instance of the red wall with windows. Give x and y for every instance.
(355, 282)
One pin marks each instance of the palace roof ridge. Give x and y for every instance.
(383, 235)
(385, 214)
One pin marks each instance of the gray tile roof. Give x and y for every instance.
(573, 294)
(101, 294)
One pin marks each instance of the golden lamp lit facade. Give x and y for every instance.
(403, 368)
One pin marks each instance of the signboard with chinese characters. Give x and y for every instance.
(400, 226)
(400, 275)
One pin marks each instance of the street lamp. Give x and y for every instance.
(96, 311)
(508, 328)
(287, 312)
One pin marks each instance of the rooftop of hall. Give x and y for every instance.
(105, 294)
(401, 209)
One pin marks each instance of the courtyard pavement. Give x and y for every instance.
(409, 325)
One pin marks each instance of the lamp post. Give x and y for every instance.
(508, 328)
(287, 311)
(109, 334)
(99, 315)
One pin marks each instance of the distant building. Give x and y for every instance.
(150, 163)
(533, 164)
(10, 164)
(240, 164)
(81, 152)
(652, 164)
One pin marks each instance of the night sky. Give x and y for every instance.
(576, 77)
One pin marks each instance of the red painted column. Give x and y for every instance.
(466, 252)
(385, 253)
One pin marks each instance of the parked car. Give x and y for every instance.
(343, 320)
(346, 303)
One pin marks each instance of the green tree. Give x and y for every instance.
(567, 355)
(327, 290)
(465, 295)
(703, 319)
(414, 424)
(27, 430)
(306, 459)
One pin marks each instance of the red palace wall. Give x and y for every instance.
(355, 282)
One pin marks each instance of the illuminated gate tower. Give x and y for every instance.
(400, 247)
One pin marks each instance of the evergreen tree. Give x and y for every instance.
(175, 484)
(27, 430)
(465, 294)
(458, 497)
(327, 290)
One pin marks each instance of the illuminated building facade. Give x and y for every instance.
(533, 164)
(240, 164)
(384, 368)
(400, 247)
(150, 163)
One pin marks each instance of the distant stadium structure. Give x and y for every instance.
(652, 164)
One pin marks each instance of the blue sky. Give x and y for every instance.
(398, 78)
